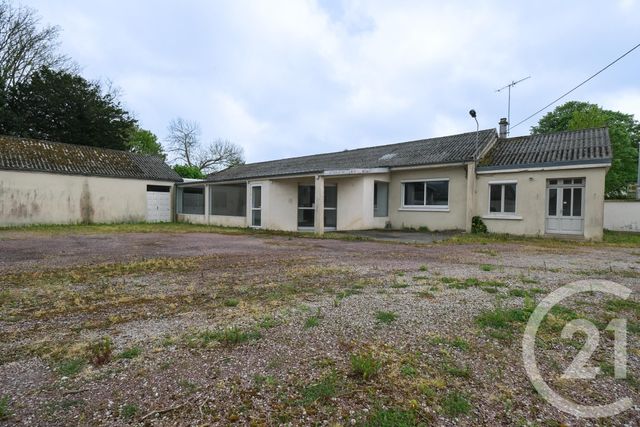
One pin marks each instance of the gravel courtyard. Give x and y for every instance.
(172, 328)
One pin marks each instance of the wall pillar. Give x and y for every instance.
(318, 222)
(471, 195)
(207, 204)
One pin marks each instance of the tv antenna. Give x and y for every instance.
(509, 86)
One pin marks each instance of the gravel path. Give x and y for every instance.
(218, 329)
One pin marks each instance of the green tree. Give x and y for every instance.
(624, 132)
(187, 171)
(144, 142)
(65, 107)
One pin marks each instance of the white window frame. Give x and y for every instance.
(425, 207)
(251, 187)
(502, 214)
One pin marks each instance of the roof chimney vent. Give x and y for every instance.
(503, 127)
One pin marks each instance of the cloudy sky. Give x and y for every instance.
(292, 77)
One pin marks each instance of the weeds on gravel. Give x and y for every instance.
(268, 322)
(424, 267)
(313, 321)
(455, 404)
(69, 368)
(456, 342)
(618, 305)
(457, 371)
(392, 417)
(365, 365)
(486, 285)
(386, 317)
(227, 336)
(100, 351)
(231, 302)
(323, 390)
(128, 411)
(130, 353)
(487, 267)
(5, 411)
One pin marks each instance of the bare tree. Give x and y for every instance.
(25, 47)
(184, 142)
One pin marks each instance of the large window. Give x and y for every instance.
(191, 200)
(380, 199)
(426, 194)
(229, 200)
(502, 198)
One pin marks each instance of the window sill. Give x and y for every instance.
(424, 209)
(504, 216)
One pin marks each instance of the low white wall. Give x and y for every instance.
(28, 198)
(622, 215)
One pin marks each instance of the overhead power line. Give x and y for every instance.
(567, 93)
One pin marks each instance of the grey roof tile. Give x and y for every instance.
(587, 146)
(442, 150)
(24, 154)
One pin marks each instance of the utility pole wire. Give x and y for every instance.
(567, 93)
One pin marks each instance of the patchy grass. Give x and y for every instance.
(228, 336)
(501, 318)
(386, 317)
(130, 353)
(231, 302)
(312, 321)
(424, 267)
(324, 389)
(455, 404)
(487, 267)
(618, 305)
(5, 410)
(128, 411)
(456, 342)
(490, 286)
(365, 365)
(71, 367)
(393, 417)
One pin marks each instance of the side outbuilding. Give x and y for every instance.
(44, 182)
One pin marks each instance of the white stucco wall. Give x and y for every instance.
(622, 215)
(531, 201)
(42, 198)
(453, 218)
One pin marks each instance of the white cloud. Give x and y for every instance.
(291, 77)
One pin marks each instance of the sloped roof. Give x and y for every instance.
(587, 146)
(22, 154)
(442, 150)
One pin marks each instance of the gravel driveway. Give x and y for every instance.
(202, 328)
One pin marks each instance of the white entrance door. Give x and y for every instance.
(158, 203)
(565, 206)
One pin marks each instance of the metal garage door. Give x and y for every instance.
(158, 203)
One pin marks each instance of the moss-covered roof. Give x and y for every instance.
(22, 154)
(579, 147)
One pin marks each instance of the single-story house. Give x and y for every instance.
(45, 182)
(531, 185)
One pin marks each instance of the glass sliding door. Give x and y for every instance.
(330, 207)
(307, 206)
